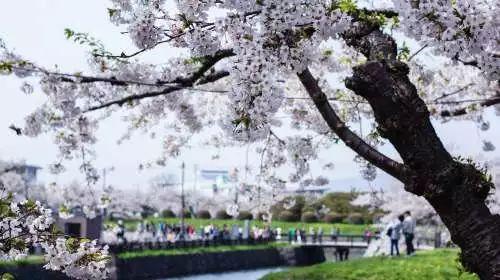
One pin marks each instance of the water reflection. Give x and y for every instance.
(240, 275)
(258, 273)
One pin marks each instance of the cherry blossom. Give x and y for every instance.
(245, 71)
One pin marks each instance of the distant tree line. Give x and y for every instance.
(330, 208)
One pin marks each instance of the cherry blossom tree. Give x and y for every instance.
(25, 223)
(326, 65)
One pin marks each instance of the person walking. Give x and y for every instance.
(333, 234)
(278, 233)
(120, 232)
(395, 234)
(320, 235)
(312, 233)
(409, 232)
(291, 235)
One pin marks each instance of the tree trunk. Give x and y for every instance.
(456, 189)
(473, 228)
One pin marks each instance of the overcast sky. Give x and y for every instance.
(34, 28)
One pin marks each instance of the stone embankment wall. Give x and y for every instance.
(182, 265)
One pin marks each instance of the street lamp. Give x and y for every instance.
(183, 203)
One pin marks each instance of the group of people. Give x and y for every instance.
(298, 235)
(164, 232)
(403, 225)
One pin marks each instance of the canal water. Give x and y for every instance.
(238, 275)
(259, 273)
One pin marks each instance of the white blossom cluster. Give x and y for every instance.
(76, 196)
(22, 223)
(143, 31)
(445, 88)
(268, 41)
(29, 223)
(318, 181)
(77, 259)
(367, 170)
(395, 201)
(300, 151)
(25, 223)
(462, 29)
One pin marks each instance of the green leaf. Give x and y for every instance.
(7, 276)
(248, 37)
(112, 12)
(327, 53)
(72, 244)
(68, 33)
(404, 52)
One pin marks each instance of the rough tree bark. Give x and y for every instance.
(457, 190)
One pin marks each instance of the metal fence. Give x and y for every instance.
(185, 244)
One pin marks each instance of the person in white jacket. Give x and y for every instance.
(395, 234)
(409, 232)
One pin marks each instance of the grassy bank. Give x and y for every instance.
(201, 250)
(436, 265)
(344, 228)
(22, 262)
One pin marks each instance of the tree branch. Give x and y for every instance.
(454, 92)
(352, 140)
(463, 111)
(82, 79)
(183, 83)
(417, 52)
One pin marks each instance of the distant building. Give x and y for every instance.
(81, 226)
(28, 172)
(214, 181)
(315, 190)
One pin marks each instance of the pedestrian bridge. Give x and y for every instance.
(340, 244)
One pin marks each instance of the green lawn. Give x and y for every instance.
(344, 228)
(26, 261)
(436, 265)
(201, 250)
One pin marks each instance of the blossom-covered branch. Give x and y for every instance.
(463, 111)
(348, 136)
(26, 223)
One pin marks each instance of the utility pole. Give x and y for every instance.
(195, 177)
(183, 203)
(235, 192)
(104, 178)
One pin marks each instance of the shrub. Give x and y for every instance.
(187, 214)
(296, 209)
(333, 217)
(147, 211)
(287, 216)
(222, 215)
(245, 215)
(355, 218)
(309, 217)
(203, 214)
(167, 213)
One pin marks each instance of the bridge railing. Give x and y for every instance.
(185, 244)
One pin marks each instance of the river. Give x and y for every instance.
(258, 273)
(240, 275)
